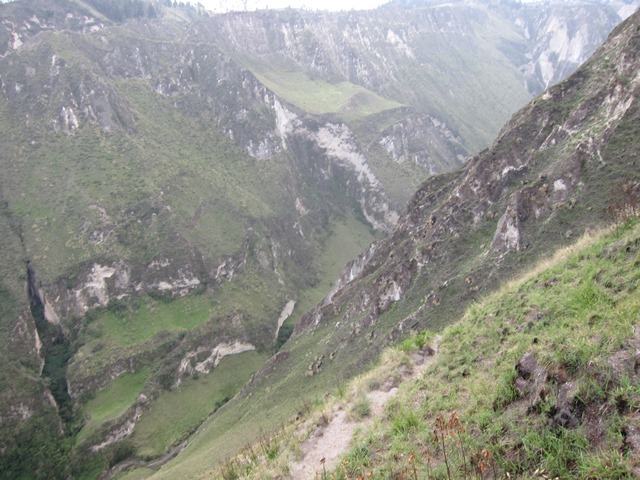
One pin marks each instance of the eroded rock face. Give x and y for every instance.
(340, 147)
(533, 385)
(120, 432)
(34, 20)
(100, 284)
(413, 139)
(559, 36)
(193, 362)
(533, 188)
(531, 382)
(566, 415)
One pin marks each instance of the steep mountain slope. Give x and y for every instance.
(541, 376)
(553, 173)
(551, 39)
(168, 200)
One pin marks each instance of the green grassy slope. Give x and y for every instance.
(318, 96)
(275, 401)
(347, 240)
(537, 380)
(577, 316)
(113, 401)
(179, 412)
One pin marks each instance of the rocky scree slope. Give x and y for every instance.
(554, 172)
(147, 161)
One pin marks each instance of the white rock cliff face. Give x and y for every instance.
(286, 313)
(121, 432)
(189, 363)
(339, 145)
(101, 284)
(564, 36)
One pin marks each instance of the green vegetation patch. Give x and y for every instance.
(136, 329)
(347, 239)
(145, 317)
(137, 474)
(113, 401)
(315, 95)
(277, 397)
(127, 328)
(178, 413)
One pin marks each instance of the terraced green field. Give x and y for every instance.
(315, 95)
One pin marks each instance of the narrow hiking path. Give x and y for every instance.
(328, 442)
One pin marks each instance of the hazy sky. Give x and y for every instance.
(226, 5)
(235, 5)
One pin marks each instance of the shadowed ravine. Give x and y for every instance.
(56, 351)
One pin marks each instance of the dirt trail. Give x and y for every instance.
(332, 440)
